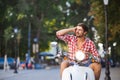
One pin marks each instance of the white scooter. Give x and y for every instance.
(77, 72)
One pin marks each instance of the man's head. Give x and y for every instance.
(81, 30)
(85, 28)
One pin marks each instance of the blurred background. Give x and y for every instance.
(28, 27)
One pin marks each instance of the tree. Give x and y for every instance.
(7, 36)
(44, 16)
(97, 9)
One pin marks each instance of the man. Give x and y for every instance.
(76, 42)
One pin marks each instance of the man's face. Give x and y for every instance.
(79, 32)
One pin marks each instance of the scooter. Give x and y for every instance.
(77, 71)
(60, 57)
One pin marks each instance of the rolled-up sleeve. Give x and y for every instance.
(65, 37)
(95, 52)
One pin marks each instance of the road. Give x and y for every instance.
(50, 73)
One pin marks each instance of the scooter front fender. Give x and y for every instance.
(76, 72)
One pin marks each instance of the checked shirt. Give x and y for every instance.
(87, 47)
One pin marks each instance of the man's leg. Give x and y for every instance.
(97, 70)
(63, 65)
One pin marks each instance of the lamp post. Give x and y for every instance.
(36, 50)
(107, 71)
(15, 33)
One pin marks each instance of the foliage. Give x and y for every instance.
(46, 17)
(8, 33)
(113, 19)
(113, 9)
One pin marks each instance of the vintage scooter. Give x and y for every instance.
(77, 71)
(60, 57)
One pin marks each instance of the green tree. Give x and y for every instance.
(97, 9)
(7, 35)
(44, 16)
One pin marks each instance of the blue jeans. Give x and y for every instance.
(87, 63)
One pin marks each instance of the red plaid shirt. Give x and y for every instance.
(87, 47)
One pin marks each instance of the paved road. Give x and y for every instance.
(50, 73)
(114, 73)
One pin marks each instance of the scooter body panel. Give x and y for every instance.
(77, 72)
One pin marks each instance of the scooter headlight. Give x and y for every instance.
(79, 56)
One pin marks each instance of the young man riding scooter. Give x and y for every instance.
(79, 41)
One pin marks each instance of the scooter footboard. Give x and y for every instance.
(78, 73)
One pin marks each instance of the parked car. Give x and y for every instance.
(110, 62)
(10, 60)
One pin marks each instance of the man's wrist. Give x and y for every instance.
(72, 29)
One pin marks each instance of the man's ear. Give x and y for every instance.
(85, 33)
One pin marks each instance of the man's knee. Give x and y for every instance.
(65, 64)
(97, 69)
(95, 66)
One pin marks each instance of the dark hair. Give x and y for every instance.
(85, 28)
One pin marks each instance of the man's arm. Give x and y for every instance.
(65, 31)
(95, 53)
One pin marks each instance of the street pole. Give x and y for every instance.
(107, 69)
(36, 50)
(29, 39)
(15, 39)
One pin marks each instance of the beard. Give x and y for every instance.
(79, 35)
